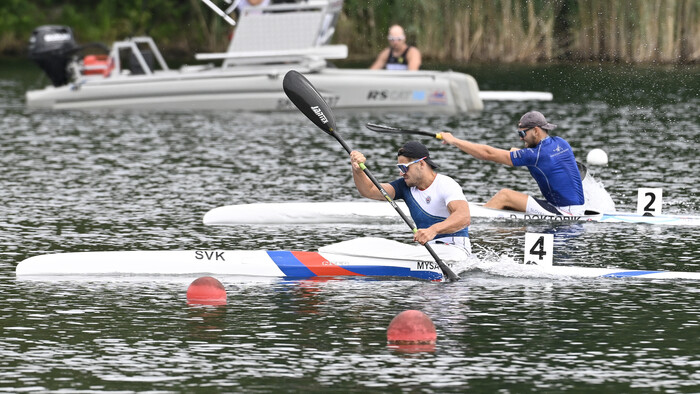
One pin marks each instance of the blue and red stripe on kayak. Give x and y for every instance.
(295, 264)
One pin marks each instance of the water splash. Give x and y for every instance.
(596, 197)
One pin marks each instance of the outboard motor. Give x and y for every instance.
(52, 48)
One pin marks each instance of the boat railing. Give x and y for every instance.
(285, 26)
(309, 4)
(137, 54)
(204, 72)
(222, 13)
(284, 56)
(283, 33)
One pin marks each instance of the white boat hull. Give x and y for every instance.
(412, 262)
(362, 257)
(260, 89)
(379, 211)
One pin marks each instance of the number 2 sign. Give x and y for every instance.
(649, 201)
(539, 249)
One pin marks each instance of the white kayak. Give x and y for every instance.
(361, 257)
(380, 258)
(381, 212)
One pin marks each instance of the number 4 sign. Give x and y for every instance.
(539, 249)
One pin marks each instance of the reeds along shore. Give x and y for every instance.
(637, 31)
(522, 31)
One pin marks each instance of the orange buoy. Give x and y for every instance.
(411, 327)
(206, 291)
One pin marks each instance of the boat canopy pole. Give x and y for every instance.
(232, 7)
(132, 44)
(222, 13)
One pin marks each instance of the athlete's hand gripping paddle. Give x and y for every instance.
(310, 103)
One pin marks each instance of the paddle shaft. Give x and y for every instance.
(445, 269)
(395, 130)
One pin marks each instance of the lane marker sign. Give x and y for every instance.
(649, 201)
(539, 249)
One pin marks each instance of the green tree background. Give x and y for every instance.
(510, 31)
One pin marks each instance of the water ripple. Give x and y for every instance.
(92, 180)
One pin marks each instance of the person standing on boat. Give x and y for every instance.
(436, 202)
(251, 4)
(251, 7)
(399, 55)
(550, 160)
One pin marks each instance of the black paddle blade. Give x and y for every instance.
(303, 94)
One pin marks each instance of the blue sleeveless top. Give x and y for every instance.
(553, 166)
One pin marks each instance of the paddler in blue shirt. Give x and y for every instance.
(436, 202)
(399, 55)
(550, 161)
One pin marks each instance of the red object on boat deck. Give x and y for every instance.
(411, 327)
(96, 65)
(206, 291)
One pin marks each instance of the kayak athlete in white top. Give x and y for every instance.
(436, 202)
(550, 161)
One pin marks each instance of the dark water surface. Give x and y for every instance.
(88, 181)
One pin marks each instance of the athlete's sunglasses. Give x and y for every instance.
(403, 168)
(522, 133)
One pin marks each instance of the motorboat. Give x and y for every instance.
(266, 44)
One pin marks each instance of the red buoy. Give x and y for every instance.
(411, 327)
(206, 291)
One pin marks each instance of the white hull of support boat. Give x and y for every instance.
(362, 257)
(260, 89)
(382, 212)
